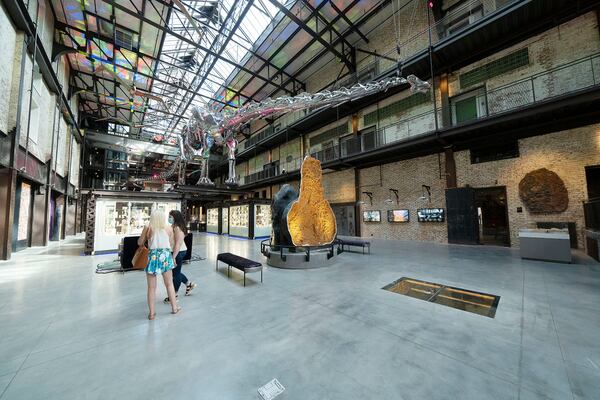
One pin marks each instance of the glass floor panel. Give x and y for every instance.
(466, 300)
(413, 288)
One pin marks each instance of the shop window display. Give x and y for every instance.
(117, 219)
(238, 220)
(212, 220)
(262, 220)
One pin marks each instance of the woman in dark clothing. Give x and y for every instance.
(179, 249)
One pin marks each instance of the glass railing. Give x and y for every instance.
(562, 80)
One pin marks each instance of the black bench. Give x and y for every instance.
(241, 263)
(356, 242)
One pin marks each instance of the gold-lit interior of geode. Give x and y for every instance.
(311, 221)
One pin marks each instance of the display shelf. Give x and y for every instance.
(212, 220)
(117, 218)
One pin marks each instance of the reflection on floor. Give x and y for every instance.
(329, 333)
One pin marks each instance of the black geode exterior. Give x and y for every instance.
(282, 202)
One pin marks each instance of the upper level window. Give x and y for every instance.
(462, 14)
(497, 151)
(468, 106)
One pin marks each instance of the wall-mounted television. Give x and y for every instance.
(372, 216)
(398, 215)
(430, 215)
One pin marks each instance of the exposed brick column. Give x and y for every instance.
(8, 183)
(450, 168)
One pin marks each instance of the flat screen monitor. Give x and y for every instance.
(372, 216)
(398, 216)
(430, 215)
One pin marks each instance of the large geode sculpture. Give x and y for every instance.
(305, 219)
(311, 221)
(543, 192)
(282, 202)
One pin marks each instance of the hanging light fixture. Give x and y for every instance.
(389, 200)
(370, 194)
(426, 193)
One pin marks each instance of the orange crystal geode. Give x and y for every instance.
(311, 221)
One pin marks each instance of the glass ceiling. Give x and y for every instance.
(142, 64)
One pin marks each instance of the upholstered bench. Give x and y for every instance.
(355, 242)
(241, 263)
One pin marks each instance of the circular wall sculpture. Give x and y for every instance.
(543, 192)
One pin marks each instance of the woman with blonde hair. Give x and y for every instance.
(160, 259)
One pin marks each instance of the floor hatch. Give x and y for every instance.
(462, 299)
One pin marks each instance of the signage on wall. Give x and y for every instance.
(430, 215)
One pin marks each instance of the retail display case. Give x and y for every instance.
(239, 220)
(262, 220)
(213, 219)
(250, 218)
(120, 217)
(225, 221)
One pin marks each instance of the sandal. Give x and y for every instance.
(151, 316)
(189, 287)
(166, 300)
(176, 311)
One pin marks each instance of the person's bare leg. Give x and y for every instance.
(168, 279)
(151, 294)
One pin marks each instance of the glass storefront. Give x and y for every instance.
(116, 219)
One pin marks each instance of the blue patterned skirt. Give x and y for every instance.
(159, 261)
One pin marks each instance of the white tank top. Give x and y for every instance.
(159, 240)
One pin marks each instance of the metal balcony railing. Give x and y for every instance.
(455, 21)
(562, 80)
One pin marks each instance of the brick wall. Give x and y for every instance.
(567, 42)
(7, 52)
(339, 186)
(567, 153)
(407, 177)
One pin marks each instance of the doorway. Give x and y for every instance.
(22, 217)
(592, 177)
(344, 218)
(492, 215)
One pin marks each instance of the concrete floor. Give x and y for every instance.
(330, 333)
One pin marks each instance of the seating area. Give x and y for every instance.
(240, 263)
(353, 242)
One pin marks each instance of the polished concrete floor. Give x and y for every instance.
(329, 333)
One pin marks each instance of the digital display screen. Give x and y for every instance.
(372, 216)
(430, 215)
(398, 216)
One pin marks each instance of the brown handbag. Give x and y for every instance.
(140, 258)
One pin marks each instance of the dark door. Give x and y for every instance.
(592, 177)
(462, 216)
(344, 218)
(492, 214)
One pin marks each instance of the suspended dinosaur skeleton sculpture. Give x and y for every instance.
(206, 129)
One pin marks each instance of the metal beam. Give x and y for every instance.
(207, 64)
(307, 45)
(182, 38)
(331, 48)
(350, 24)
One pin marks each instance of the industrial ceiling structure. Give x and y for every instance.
(139, 66)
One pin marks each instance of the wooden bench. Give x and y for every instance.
(241, 263)
(356, 242)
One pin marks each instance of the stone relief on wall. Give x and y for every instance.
(543, 192)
